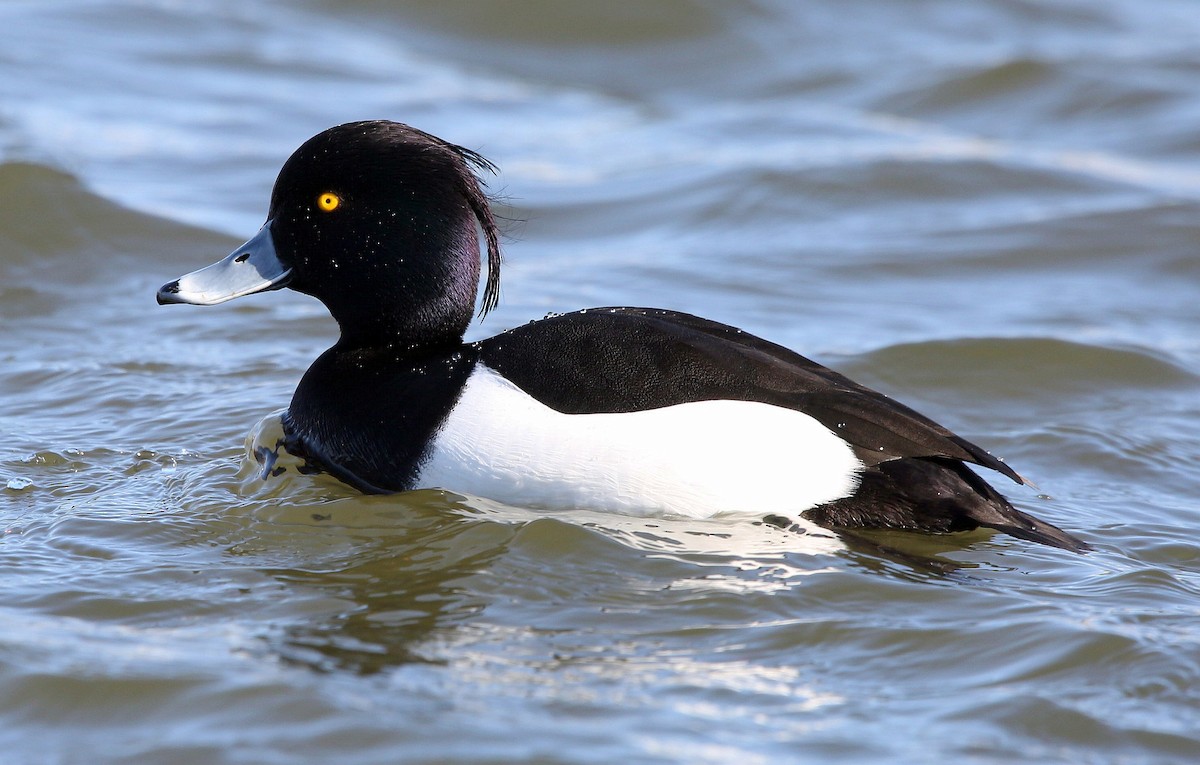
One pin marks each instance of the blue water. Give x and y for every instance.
(988, 210)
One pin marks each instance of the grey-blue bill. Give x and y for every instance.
(253, 267)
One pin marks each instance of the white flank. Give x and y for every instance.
(697, 460)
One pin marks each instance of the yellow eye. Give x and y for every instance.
(328, 202)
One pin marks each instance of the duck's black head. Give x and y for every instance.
(378, 221)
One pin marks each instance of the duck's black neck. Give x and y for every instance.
(401, 336)
(399, 347)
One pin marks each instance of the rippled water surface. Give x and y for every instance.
(990, 210)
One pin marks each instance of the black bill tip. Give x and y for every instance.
(167, 293)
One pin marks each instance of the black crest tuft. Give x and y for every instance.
(473, 189)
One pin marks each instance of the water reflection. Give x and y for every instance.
(392, 609)
(410, 570)
(398, 568)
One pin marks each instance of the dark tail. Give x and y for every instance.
(1012, 521)
(998, 514)
(937, 495)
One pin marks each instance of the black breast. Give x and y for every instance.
(367, 417)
